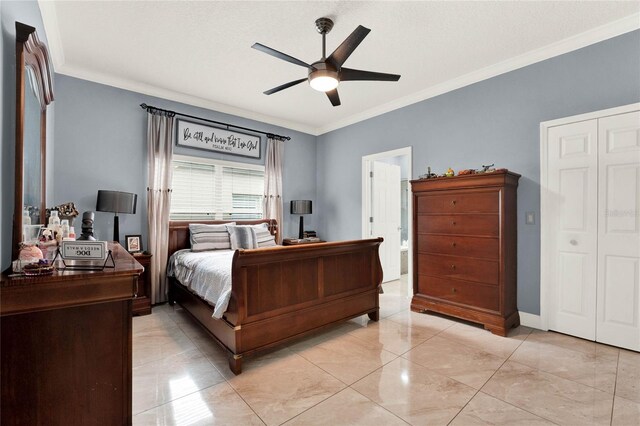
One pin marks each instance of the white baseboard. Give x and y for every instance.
(530, 320)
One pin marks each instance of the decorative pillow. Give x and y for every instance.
(263, 236)
(209, 237)
(242, 237)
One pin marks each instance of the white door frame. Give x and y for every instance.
(547, 234)
(367, 161)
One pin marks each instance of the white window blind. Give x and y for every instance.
(216, 190)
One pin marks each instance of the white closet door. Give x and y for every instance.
(385, 197)
(618, 321)
(573, 173)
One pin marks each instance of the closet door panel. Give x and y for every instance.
(573, 173)
(618, 288)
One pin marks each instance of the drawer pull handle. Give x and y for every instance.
(453, 203)
(453, 244)
(453, 223)
(453, 266)
(453, 290)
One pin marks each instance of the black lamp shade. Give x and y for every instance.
(300, 206)
(116, 202)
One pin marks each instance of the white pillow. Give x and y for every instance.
(263, 236)
(242, 237)
(209, 237)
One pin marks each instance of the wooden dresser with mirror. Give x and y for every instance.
(66, 338)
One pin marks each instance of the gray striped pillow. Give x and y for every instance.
(263, 236)
(242, 237)
(209, 237)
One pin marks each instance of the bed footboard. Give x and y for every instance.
(282, 293)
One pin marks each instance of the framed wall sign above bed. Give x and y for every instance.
(210, 138)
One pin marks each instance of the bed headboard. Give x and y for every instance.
(179, 230)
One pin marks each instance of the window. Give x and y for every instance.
(216, 190)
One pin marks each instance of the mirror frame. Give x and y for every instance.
(31, 52)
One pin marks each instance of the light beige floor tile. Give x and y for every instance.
(157, 343)
(487, 410)
(161, 381)
(570, 342)
(478, 337)
(426, 322)
(556, 399)
(393, 337)
(348, 358)
(280, 385)
(328, 334)
(391, 304)
(468, 365)
(347, 407)
(414, 393)
(215, 405)
(158, 319)
(628, 381)
(597, 369)
(625, 412)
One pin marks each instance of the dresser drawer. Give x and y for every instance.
(468, 224)
(476, 295)
(460, 202)
(462, 268)
(486, 248)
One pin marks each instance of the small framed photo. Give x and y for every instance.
(133, 243)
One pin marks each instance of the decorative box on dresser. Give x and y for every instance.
(66, 345)
(142, 301)
(465, 234)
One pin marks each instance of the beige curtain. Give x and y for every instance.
(272, 205)
(159, 153)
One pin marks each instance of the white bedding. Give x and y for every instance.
(206, 273)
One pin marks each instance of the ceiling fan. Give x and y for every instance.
(328, 72)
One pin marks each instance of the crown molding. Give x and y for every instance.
(578, 41)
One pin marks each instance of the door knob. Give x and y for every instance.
(573, 242)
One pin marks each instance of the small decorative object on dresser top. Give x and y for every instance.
(142, 300)
(465, 233)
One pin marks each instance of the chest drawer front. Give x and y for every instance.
(471, 294)
(460, 202)
(486, 248)
(468, 224)
(462, 268)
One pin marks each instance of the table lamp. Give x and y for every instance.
(116, 202)
(301, 207)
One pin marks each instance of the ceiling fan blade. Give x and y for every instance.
(280, 55)
(333, 97)
(342, 53)
(348, 74)
(284, 86)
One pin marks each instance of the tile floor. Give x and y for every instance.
(408, 368)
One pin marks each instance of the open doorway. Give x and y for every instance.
(386, 207)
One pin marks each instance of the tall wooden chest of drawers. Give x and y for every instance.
(464, 250)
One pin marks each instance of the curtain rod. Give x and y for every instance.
(227, 125)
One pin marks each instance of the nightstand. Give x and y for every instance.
(142, 302)
(297, 242)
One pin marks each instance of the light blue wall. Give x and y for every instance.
(493, 121)
(27, 12)
(101, 144)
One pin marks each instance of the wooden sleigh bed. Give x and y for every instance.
(282, 293)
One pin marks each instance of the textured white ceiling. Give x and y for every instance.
(200, 52)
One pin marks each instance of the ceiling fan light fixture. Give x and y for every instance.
(323, 83)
